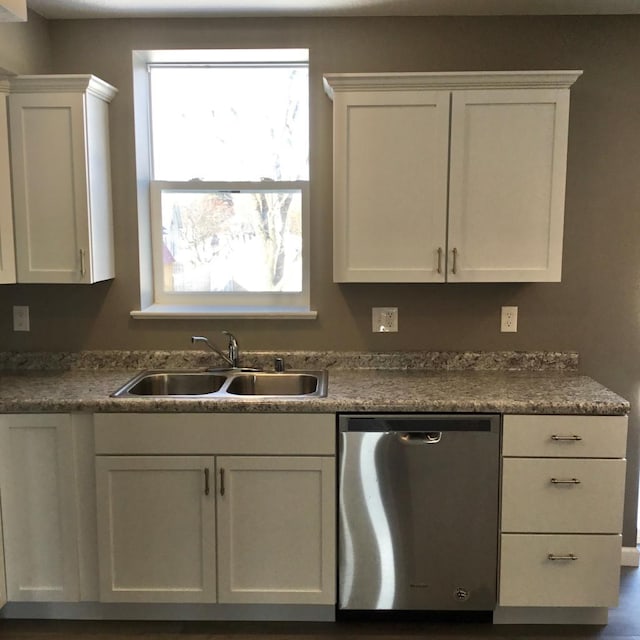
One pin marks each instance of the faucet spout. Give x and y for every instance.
(233, 352)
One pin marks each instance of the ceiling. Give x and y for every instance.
(64, 9)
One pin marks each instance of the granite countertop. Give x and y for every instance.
(504, 384)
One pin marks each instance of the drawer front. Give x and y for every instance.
(528, 577)
(215, 433)
(565, 436)
(546, 495)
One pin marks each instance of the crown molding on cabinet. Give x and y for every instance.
(64, 83)
(338, 82)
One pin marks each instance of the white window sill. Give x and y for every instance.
(170, 312)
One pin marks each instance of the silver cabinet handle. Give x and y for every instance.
(206, 482)
(454, 266)
(82, 262)
(571, 438)
(567, 481)
(221, 482)
(439, 269)
(569, 556)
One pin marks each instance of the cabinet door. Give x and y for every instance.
(7, 254)
(507, 184)
(3, 582)
(39, 511)
(276, 530)
(390, 185)
(156, 528)
(49, 172)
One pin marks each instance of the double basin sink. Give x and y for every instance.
(228, 383)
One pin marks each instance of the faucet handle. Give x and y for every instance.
(233, 348)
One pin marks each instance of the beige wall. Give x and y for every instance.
(596, 308)
(25, 46)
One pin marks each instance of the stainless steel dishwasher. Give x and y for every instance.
(418, 521)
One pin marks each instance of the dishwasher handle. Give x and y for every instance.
(419, 437)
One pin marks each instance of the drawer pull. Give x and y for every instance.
(572, 438)
(565, 481)
(569, 556)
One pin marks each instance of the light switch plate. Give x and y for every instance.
(21, 318)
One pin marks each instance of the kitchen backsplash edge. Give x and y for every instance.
(397, 360)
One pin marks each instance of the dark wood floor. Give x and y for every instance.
(624, 624)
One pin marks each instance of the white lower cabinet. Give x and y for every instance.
(39, 507)
(562, 504)
(559, 570)
(275, 523)
(156, 528)
(260, 527)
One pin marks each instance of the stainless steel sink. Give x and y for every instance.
(231, 384)
(274, 384)
(176, 384)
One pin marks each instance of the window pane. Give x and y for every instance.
(241, 241)
(230, 123)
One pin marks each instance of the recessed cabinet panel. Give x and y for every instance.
(276, 530)
(390, 186)
(49, 182)
(156, 528)
(39, 512)
(508, 151)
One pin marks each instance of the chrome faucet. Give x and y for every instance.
(233, 356)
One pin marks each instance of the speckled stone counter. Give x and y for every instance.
(503, 382)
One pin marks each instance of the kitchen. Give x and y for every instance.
(592, 311)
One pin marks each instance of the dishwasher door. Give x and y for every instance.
(418, 521)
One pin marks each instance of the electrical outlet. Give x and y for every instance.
(384, 319)
(21, 318)
(509, 320)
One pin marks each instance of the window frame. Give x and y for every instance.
(154, 303)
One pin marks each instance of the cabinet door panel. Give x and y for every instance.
(390, 186)
(507, 184)
(276, 530)
(156, 529)
(39, 508)
(49, 171)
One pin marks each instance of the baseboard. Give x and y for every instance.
(630, 557)
(551, 615)
(126, 611)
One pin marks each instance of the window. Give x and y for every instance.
(222, 138)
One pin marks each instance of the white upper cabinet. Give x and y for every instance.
(449, 177)
(7, 254)
(60, 164)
